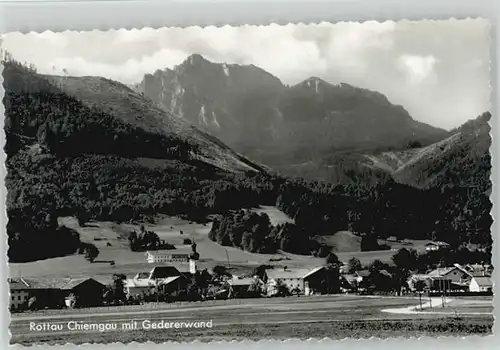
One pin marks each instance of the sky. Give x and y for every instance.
(437, 70)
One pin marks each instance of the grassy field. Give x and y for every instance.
(336, 316)
(111, 240)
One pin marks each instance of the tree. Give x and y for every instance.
(405, 259)
(220, 272)
(324, 252)
(133, 241)
(420, 287)
(369, 242)
(282, 289)
(377, 265)
(255, 289)
(32, 303)
(72, 301)
(260, 272)
(332, 259)
(118, 287)
(330, 282)
(91, 252)
(354, 265)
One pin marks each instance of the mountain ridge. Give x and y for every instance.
(257, 115)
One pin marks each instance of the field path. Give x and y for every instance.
(435, 303)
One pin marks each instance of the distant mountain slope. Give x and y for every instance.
(256, 114)
(158, 127)
(462, 159)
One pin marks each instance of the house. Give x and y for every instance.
(349, 283)
(55, 293)
(445, 278)
(415, 279)
(303, 281)
(166, 278)
(344, 268)
(436, 245)
(481, 284)
(239, 287)
(479, 269)
(456, 274)
(168, 256)
(87, 291)
(407, 241)
(362, 274)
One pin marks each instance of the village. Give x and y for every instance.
(175, 276)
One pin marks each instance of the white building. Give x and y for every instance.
(436, 245)
(302, 280)
(164, 276)
(167, 256)
(481, 284)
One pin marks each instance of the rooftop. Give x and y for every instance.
(363, 273)
(291, 273)
(163, 272)
(46, 283)
(182, 250)
(241, 281)
(483, 281)
(438, 243)
(149, 283)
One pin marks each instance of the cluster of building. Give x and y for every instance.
(304, 281)
(457, 278)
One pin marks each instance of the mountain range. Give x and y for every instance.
(255, 113)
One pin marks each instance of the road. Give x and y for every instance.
(217, 318)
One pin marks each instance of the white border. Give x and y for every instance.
(81, 15)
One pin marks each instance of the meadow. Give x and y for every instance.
(111, 240)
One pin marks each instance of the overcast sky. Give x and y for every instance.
(438, 70)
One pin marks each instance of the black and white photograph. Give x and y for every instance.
(323, 180)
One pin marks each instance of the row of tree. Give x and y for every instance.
(254, 233)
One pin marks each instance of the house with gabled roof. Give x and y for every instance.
(481, 284)
(53, 292)
(443, 278)
(436, 245)
(301, 280)
(240, 286)
(166, 277)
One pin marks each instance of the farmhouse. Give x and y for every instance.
(479, 269)
(239, 287)
(436, 245)
(168, 278)
(456, 274)
(87, 291)
(56, 292)
(305, 281)
(444, 278)
(349, 283)
(481, 284)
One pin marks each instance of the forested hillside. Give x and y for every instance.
(93, 148)
(67, 156)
